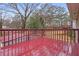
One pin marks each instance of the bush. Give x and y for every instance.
(34, 23)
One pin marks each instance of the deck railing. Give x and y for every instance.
(13, 37)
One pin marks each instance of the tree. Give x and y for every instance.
(24, 10)
(52, 13)
(16, 22)
(34, 22)
(46, 12)
(3, 17)
(1, 21)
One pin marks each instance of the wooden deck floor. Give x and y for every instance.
(38, 47)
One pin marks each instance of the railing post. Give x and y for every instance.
(78, 44)
(75, 48)
(28, 35)
(29, 43)
(78, 36)
(4, 44)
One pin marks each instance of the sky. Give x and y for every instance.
(57, 4)
(62, 5)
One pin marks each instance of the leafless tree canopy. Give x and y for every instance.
(21, 12)
(24, 10)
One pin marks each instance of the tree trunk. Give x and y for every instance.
(0, 27)
(23, 23)
(43, 26)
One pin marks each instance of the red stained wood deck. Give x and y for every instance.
(39, 47)
(49, 42)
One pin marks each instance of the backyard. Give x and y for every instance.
(36, 29)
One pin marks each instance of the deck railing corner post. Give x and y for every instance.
(78, 35)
